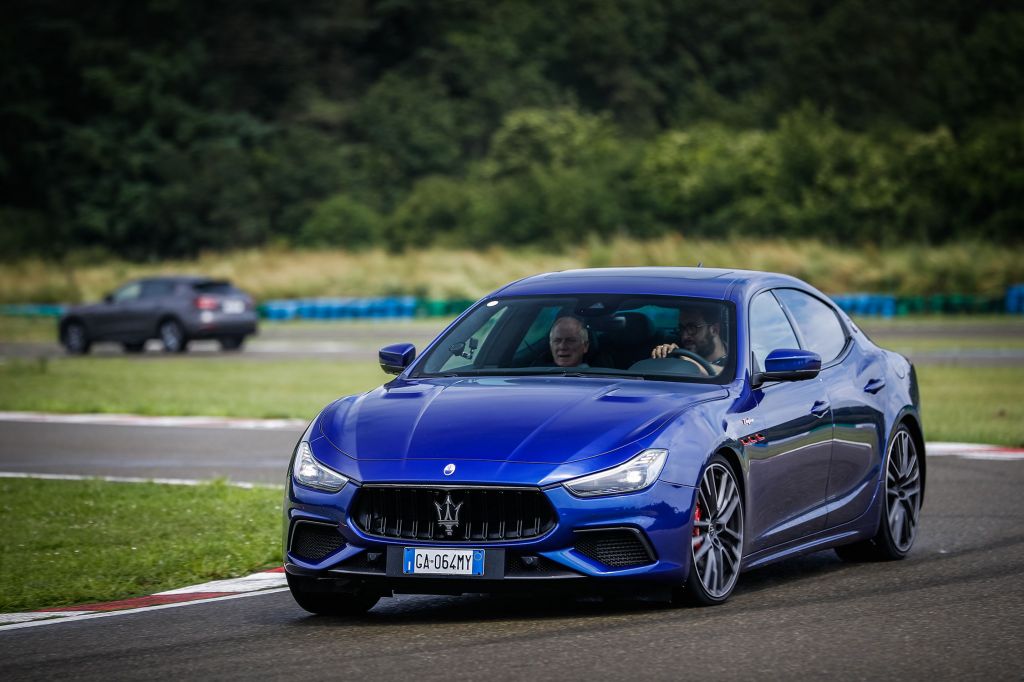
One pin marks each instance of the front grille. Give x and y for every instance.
(618, 548)
(314, 542)
(470, 515)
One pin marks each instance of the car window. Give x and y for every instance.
(463, 353)
(156, 289)
(128, 292)
(769, 328)
(817, 322)
(215, 287)
(510, 337)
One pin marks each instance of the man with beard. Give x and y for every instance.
(700, 332)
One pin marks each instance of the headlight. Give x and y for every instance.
(313, 474)
(636, 474)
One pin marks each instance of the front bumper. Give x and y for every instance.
(658, 518)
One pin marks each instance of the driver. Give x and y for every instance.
(700, 332)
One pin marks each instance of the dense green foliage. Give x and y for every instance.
(159, 128)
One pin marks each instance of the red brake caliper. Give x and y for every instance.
(696, 518)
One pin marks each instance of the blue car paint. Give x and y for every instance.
(541, 431)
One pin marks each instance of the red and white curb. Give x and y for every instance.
(216, 590)
(973, 451)
(142, 420)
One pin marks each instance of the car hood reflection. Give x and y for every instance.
(549, 420)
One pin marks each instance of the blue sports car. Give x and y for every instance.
(656, 429)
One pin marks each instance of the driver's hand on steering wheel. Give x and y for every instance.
(663, 350)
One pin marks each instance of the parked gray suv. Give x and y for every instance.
(175, 310)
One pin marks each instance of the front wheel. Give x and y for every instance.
(716, 541)
(901, 508)
(76, 340)
(323, 603)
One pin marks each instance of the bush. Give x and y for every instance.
(342, 221)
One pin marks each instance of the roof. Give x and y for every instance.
(667, 281)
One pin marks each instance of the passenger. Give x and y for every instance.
(569, 342)
(700, 332)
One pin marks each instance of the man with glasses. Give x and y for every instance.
(700, 332)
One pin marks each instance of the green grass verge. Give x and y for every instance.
(182, 386)
(75, 542)
(973, 404)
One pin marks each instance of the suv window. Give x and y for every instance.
(157, 289)
(820, 328)
(129, 292)
(214, 287)
(769, 328)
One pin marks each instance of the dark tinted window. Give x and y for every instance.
(769, 328)
(157, 289)
(214, 287)
(817, 322)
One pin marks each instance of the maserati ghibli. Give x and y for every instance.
(647, 430)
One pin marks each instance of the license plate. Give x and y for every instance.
(426, 560)
(232, 306)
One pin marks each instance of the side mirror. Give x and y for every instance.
(109, 298)
(396, 357)
(790, 364)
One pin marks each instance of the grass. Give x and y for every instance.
(182, 386)
(75, 542)
(973, 404)
(438, 272)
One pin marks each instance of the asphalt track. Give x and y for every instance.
(954, 609)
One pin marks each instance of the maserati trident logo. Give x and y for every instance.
(448, 514)
(449, 470)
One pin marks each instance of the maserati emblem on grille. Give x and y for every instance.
(449, 470)
(448, 514)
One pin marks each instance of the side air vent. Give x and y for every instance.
(615, 547)
(314, 542)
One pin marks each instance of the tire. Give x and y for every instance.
(716, 541)
(75, 339)
(901, 505)
(324, 603)
(134, 347)
(172, 335)
(230, 343)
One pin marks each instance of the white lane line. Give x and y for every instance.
(141, 420)
(104, 614)
(134, 479)
(249, 583)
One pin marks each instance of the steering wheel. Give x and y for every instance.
(708, 368)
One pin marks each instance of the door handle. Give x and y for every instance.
(874, 386)
(820, 408)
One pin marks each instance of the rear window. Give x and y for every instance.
(215, 287)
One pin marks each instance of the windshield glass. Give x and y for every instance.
(645, 337)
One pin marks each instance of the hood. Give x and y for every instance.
(551, 420)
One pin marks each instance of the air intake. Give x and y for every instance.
(615, 547)
(313, 542)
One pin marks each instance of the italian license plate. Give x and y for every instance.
(233, 306)
(432, 561)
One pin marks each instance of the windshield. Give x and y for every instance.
(643, 337)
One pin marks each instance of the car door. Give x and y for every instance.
(113, 319)
(153, 303)
(790, 454)
(852, 379)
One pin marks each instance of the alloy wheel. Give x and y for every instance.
(902, 491)
(717, 543)
(172, 336)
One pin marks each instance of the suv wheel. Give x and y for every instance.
(172, 335)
